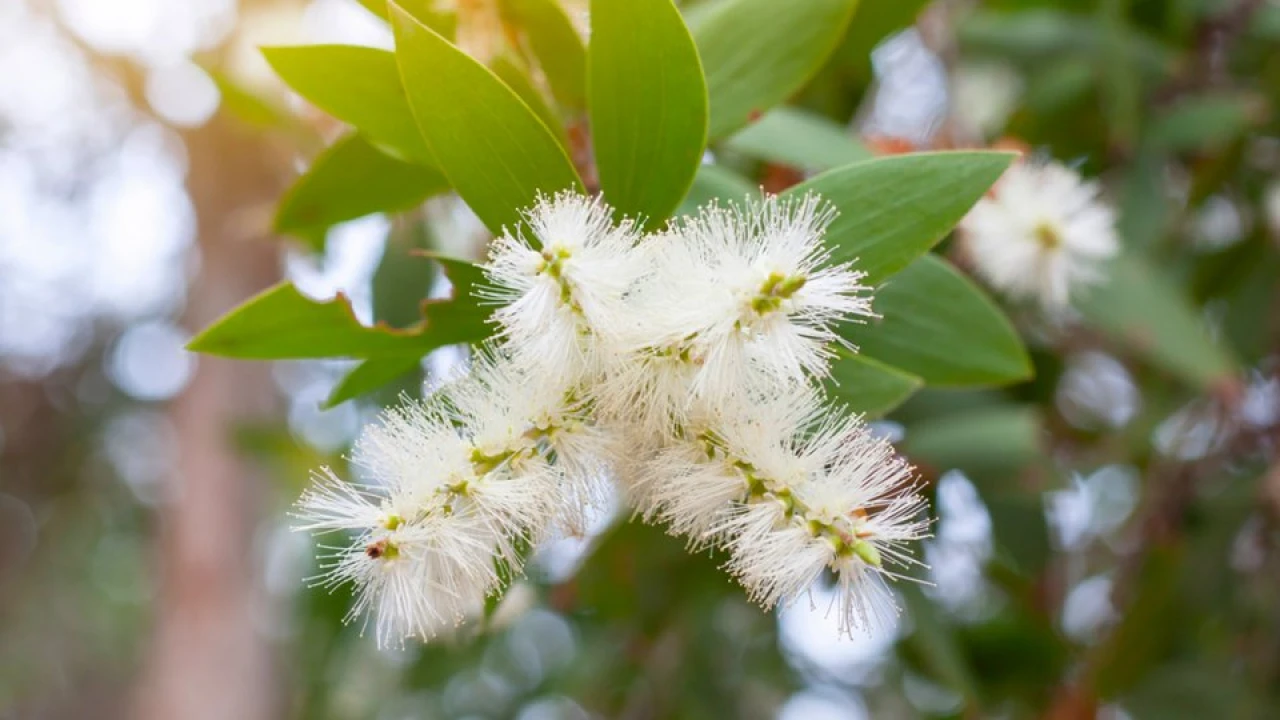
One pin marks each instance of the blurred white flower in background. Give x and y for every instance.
(1041, 234)
(984, 95)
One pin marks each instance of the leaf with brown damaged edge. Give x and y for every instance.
(282, 323)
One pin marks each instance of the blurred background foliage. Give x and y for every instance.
(1106, 533)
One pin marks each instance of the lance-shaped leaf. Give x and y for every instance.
(351, 179)
(894, 209)
(512, 71)
(757, 53)
(934, 323)
(370, 375)
(283, 323)
(868, 386)
(799, 138)
(404, 278)
(648, 105)
(1145, 311)
(556, 45)
(494, 150)
(357, 85)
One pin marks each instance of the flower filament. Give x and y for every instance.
(552, 265)
(775, 289)
(848, 535)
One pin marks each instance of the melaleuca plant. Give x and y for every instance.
(642, 324)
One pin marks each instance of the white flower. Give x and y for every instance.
(684, 367)
(410, 577)
(461, 489)
(737, 299)
(428, 444)
(694, 482)
(852, 510)
(507, 408)
(1040, 234)
(562, 290)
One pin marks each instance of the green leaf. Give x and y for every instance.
(1206, 122)
(357, 85)
(404, 278)
(351, 179)
(868, 386)
(716, 183)
(370, 375)
(799, 138)
(443, 22)
(893, 209)
(756, 54)
(407, 272)
(1145, 311)
(936, 324)
(247, 105)
(1144, 205)
(513, 73)
(991, 442)
(283, 323)
(556, 44)
(494, 150)
(648, 105)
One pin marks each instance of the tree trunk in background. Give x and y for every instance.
(209, 659)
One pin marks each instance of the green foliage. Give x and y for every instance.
(351, 179)
(895, 208)
(247, 106)
(403, 279)
(515, 75)
(360, 86)
(798, 138)
(867, 386)
(370, 375)
(283, 323)
(648, 106)
(936, 324)
(1146, 313)
(557, 46)
(1207, 122)
(756, 54)
(494, 150)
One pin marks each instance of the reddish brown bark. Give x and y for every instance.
(208, 659)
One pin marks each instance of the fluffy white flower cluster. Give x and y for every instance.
(1040, 233)
(682, 365)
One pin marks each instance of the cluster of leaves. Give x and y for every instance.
(430, 118)
(1138, 91)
